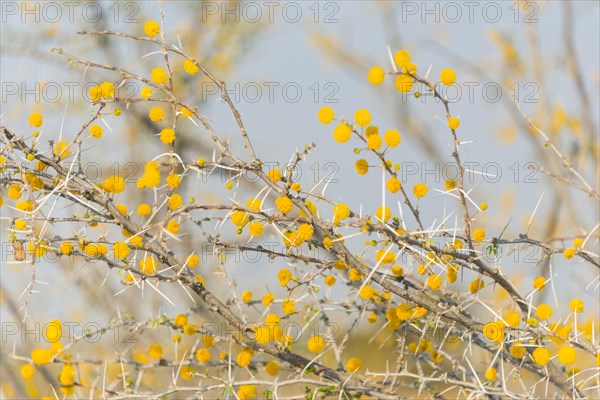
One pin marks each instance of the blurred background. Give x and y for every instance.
(282, 62)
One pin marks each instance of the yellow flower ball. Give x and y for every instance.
(420, 190)
(15, 191)
(402, 58)
(539, 283)
(167, 136)
(61, 150)
(27, 371)
(517, 350)
(240, 218)
(155, 350)
(272, 368)
(284, 204)
(376, 75)
(367, 292)
(253, 204)
(284, 276)
(114, 184)
(393, 184)
(148, 265)
(392, 138)
(450, 184)
(159, 75)
(120, 250)
(340, 212)
(361, 166)
(175, 201)
(326, 115)
(192, 260)
(354, 364)
(256, 229)
(190, 67)
(453, 123)
(330, 280)
(513, 319)
(569, 253)
(275, 175)
(288, 306)
(434, 282)
(576, 305)
(41, 356)
(96, 131)
(151, 28)
(578, 242)
(173, 180)
(246, 296)
(246, 392)
(244, 358)
(404, 83)
(490, 374)
(315, 344)
(146, 93)
(448, 76)
(180, 320)
(383, 213)
(541, 356)
(267, 299)
(494, 331)
(478, 234)
(66, 248)
(476, 285)
(203, 355)
(544, 311)
(107, 90)
(173, 227)
(342, 133)
(36, 120)
(144, 210)
(362, 117)
(67, 375)
(156, 114)
(566, 355)
(190, 329)
(374, 142)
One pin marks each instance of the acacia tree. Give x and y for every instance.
(402, 284)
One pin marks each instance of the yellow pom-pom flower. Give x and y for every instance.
(544, 311)
(354, 364)
(36, 120)
(315, 344)
(420, 190)
(376, 75)
(326, 115)
(392, 138)
(156, 114)
(478, 234)
(453, 123)
(404, 83)
(362, 117)
(342, 133)
(566, 355)
(96, 131)
(190, 67)
(159, 75)
(576, 305)
(151, 28)
(448, 76)
(167, 136)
